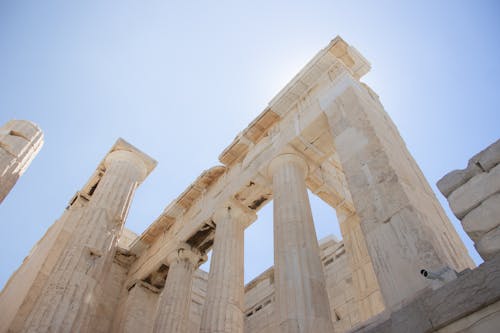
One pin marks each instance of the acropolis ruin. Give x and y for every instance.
(400, 266)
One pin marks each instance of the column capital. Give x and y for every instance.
(184, 252)
(124, 151)
(129, 157)
(236, 210)
(286, 158)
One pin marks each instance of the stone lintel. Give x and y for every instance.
(472, 291)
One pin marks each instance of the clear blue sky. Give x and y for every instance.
(179, 81)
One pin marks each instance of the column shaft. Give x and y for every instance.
(223, 309)
(66, 301)
(173, 307)
(301, 294)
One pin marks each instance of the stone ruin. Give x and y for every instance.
(400, 266)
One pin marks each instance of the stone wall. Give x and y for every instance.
(199, 290)
(474, 197)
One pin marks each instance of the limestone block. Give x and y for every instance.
(488, 158)
(469, 294)
(483, 218)
(485, 320)
(483, 161)
(457, 178)
(472, 193)
(489, 244)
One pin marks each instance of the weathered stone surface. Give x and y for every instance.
(481, 162)
(457, 178)
(483, 218)
(20, 142)
(488, 158)
(336, 128)
(469, 293)
(472, 193)
(489, 244)
(398, 215)
(485, 320)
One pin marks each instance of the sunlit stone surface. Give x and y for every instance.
(20, 142)
(326, 131)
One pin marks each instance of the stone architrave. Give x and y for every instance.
(20, 142)
(67, 300)
(223, 308)
(301, 294)
(173, 307)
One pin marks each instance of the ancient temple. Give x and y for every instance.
(326, 131)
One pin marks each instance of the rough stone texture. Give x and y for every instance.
(20, 142)
(467, 304)
(488, 158)
(476, 202)
(475, 191)
(481, 162)
(457, 178)
(483, 218)
(489, 244)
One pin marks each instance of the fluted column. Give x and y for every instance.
(20, 142)
(67, 301)
(173, 307)
(223, 309)
(301, 294)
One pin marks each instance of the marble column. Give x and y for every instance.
(301, 296)
(223, 309)
(70, 295)
(172, 312)
(20, 142)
